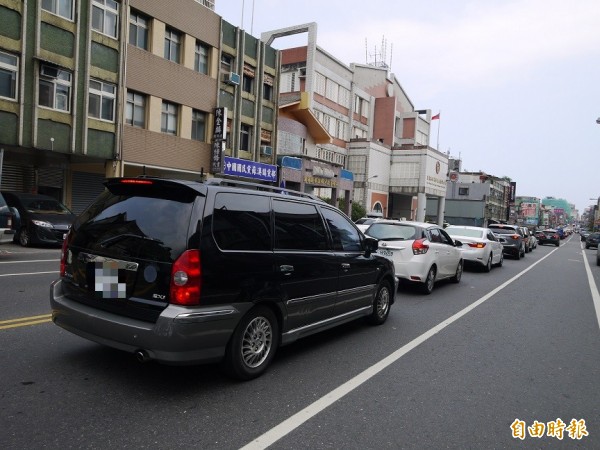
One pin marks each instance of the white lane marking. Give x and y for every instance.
(30, 261)
(293, 422)
(30, 273)
(593, 287)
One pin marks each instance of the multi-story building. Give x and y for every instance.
(59, 101)
(368, 126)
(316, 98)
(473, 198)
(99, 88)
(528, 211)
(559, 211)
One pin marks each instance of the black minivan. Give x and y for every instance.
(190, 272)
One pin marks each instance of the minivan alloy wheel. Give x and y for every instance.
(257, 342)
(381, 304)
(253, 344)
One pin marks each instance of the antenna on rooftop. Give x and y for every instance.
(378, 57)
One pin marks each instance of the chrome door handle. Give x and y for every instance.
(345, 267)
(286, 269)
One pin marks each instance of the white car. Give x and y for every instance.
(422, 252)
(365, 222)
(480, 245)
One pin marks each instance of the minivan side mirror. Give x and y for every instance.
(371, 245)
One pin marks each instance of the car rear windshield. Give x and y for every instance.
(132, 223)
(503, 230)
(393, 232)
(464, 232)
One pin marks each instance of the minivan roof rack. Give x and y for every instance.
(258, 187)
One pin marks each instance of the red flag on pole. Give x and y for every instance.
(436, 117)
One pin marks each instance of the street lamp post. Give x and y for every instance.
(367, 192)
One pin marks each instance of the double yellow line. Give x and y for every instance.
(25, 321)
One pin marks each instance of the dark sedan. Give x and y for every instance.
(511, 237)
(40, 219)
(549, 236)
(592, 240)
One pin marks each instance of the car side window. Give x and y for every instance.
(298, 226)
(491, 236)
(445, 238)
(435, 235)
(345, 237)
(238, 226)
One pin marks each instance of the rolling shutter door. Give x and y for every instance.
(86, 187)
(51, 177)
(17, 178)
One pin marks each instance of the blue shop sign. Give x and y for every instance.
(250, 169)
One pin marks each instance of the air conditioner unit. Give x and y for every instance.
(232, 78)
(266, 150)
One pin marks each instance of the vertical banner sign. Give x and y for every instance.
(218, 143)
(216, 160)
(513, 191)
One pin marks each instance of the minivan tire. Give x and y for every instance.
(253, 344)
(381, 304)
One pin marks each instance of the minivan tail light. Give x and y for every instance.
(419, 247)
(186, 279)
(63, 255)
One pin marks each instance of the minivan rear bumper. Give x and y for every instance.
(179, 336)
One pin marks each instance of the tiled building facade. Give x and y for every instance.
(98, 88)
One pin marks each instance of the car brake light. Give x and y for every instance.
(186, 279)
(135, 181)
(9, 222)
(516, 237)
(477, 244)
(419, 247)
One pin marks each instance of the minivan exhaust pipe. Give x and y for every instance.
(142, 356)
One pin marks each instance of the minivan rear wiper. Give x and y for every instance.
(113, 240)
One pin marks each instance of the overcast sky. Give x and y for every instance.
(517, 82)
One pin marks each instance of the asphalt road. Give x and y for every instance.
(517, 346)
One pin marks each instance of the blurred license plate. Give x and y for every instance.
(385, 252)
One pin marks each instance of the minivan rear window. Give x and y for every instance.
(135, 226)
